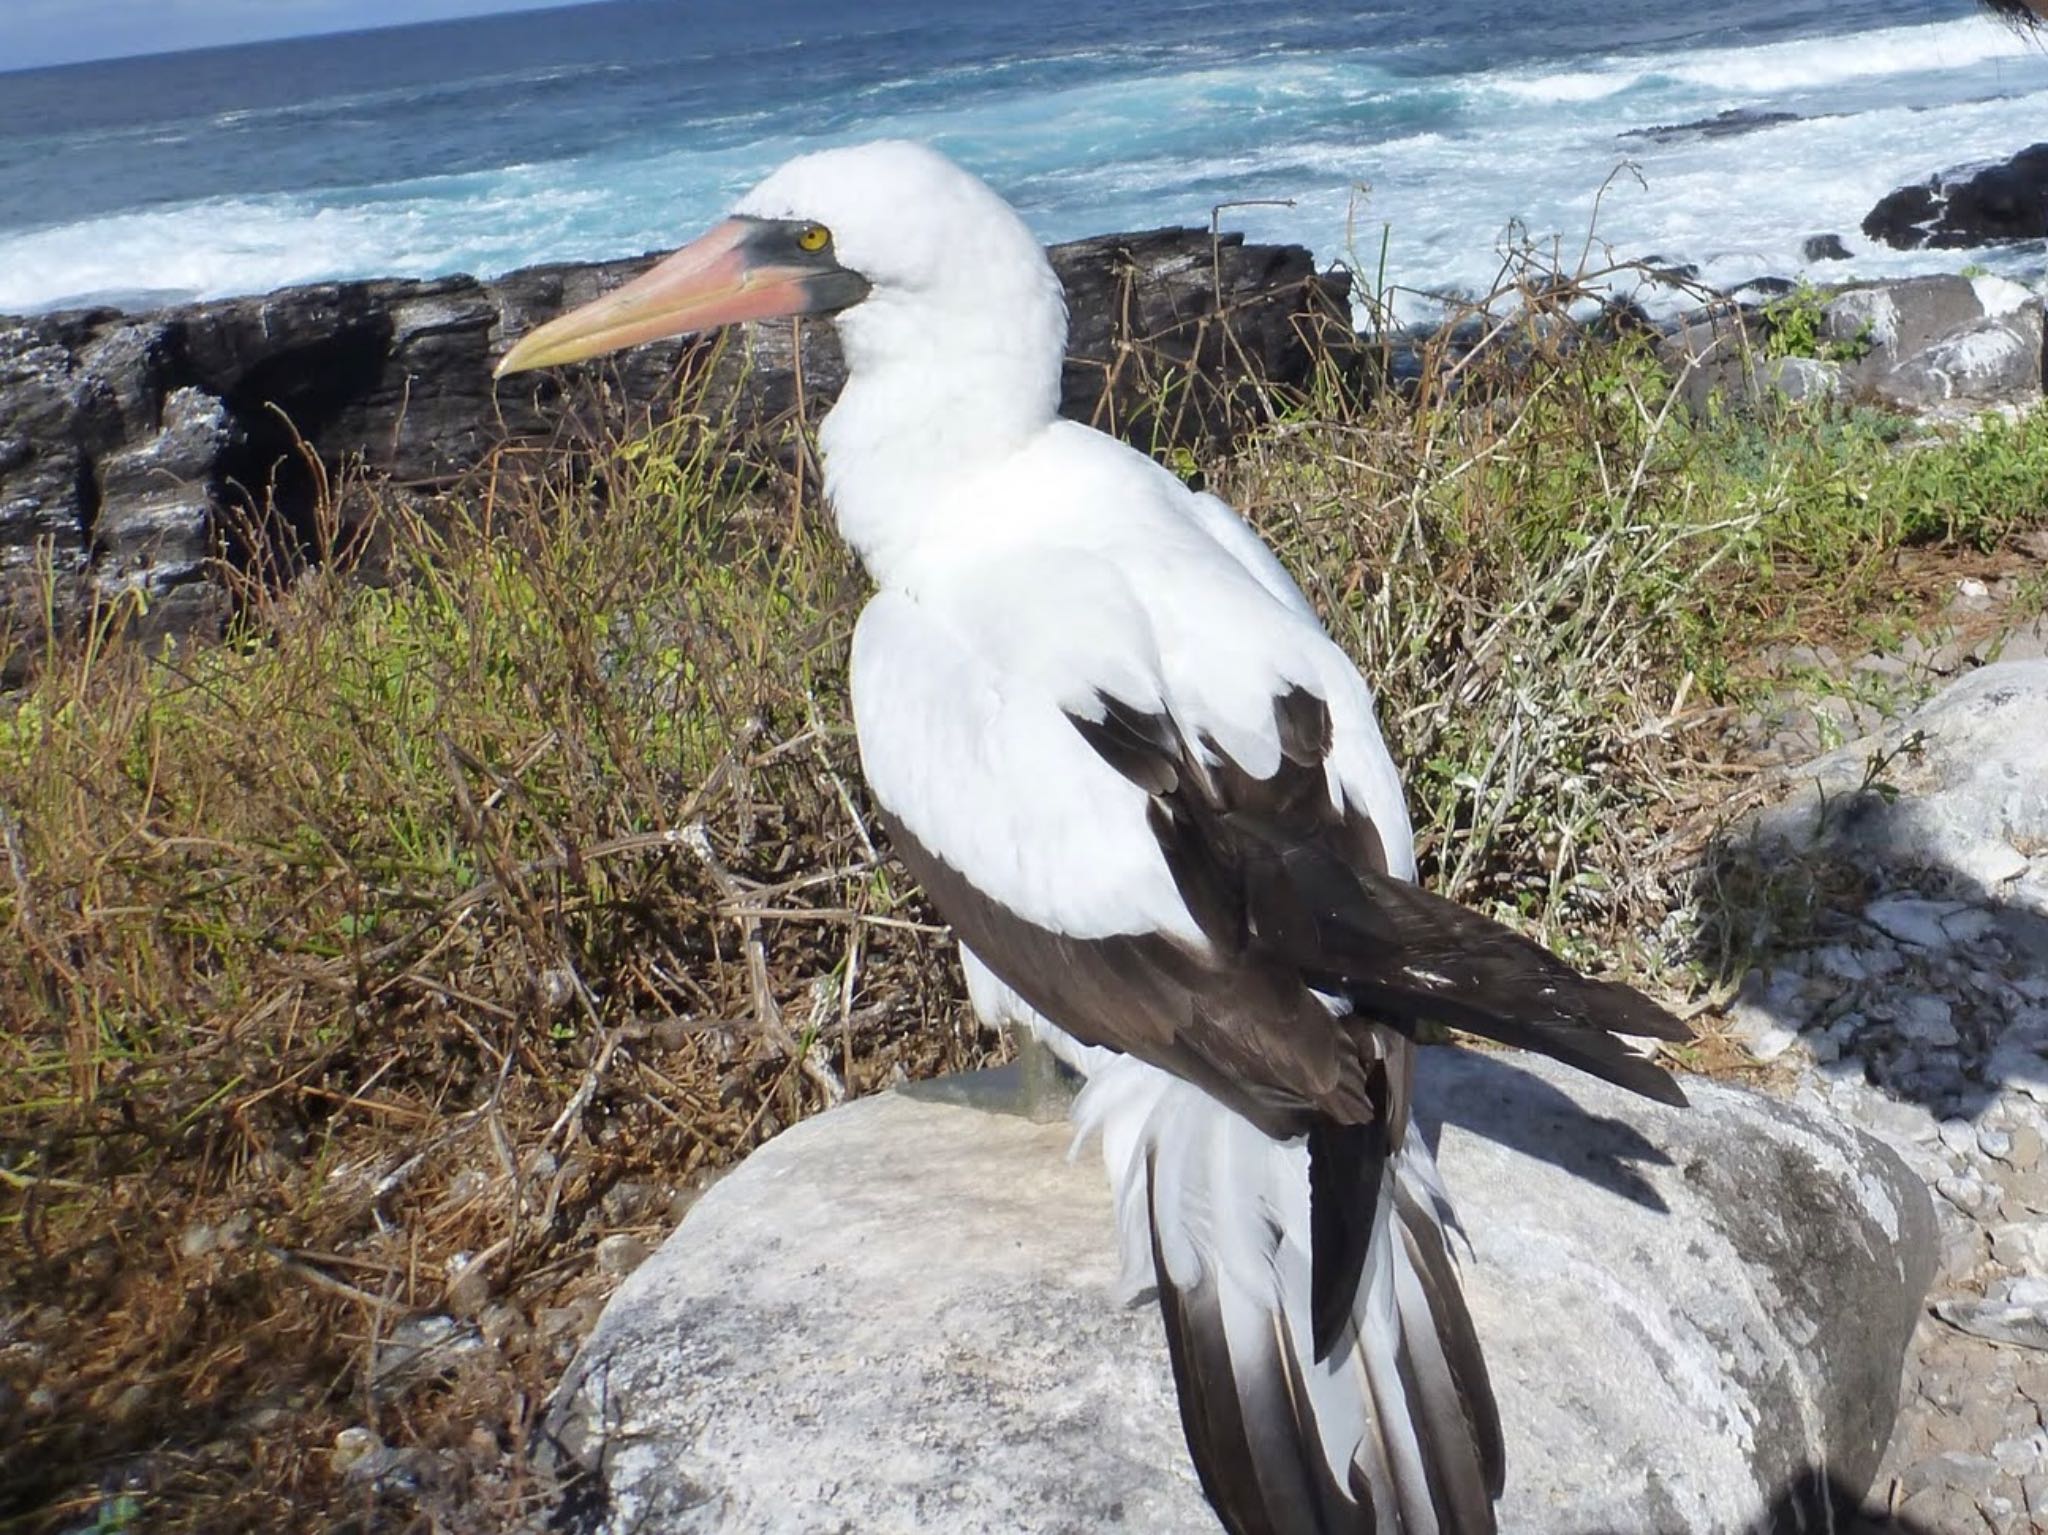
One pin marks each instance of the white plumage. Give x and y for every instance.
(1109, 735)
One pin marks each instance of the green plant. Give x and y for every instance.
(1796, 325)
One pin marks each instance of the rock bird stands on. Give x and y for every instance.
(1109, 737)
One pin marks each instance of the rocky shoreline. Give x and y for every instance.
(139, 450)
(136, 448)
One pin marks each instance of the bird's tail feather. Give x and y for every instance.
(1394, 1432)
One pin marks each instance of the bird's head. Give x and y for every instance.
(893, 235)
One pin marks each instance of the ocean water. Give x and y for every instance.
(1428, 135)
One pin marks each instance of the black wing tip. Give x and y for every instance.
(1641, 1017)
(1658, 1085)
(1346, 1163)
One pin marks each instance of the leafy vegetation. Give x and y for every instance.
(390, 959)
(1795, 325)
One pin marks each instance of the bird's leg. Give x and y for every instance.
(1035, 1085)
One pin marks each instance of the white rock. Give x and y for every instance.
(1992, 864)
(1967, 1192)
(1767, 1012)
(1965, 793)
(2030, 891)
(898, 1317)
(352, 1445)
(1959, 1136)
(1892, 1121)
(1770, 1042)
(2021, 1245)
(2000, 1321)
(2016, 1067)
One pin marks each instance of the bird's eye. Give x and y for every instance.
(813, 237)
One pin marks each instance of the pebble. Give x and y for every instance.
(1842, 962)
(420, 1348)
(2025, 1153)
(1909, 920)
(1959, 1135)
(1768, 1043)
(2021, 1245)
(621, 1253)
(1963, 1248)
(1967, 1192)
(469, 1287)
(502, 1325)
(1928, 1021)
(1994, 1142)
(351, 1447)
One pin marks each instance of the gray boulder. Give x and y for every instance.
(1720, 359)
(1931, 343)
(1896, 899)
(1958, 792)
(899, 1317)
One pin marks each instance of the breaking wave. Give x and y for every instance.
(1367, 140)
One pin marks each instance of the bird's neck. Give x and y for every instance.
(931, 404)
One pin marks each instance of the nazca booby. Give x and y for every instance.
(1107, 734)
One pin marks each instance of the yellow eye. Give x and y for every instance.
(813, 237)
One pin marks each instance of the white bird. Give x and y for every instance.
(1109, 737)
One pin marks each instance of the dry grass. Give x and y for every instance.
(385, 962)
(376, 984)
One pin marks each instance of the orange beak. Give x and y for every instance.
(745, 269)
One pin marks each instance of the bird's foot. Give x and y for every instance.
(1036, 1085)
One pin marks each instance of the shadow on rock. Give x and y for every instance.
(1895, 905)
(1817, 1504)
(1603, 1151)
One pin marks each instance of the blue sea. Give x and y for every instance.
(1428, 135)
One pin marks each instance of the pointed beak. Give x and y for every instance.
(731, 274)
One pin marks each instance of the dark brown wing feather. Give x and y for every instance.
(1272, 866)
(1293, 895)
(1276, 872)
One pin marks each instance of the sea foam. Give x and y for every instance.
(1450, 168)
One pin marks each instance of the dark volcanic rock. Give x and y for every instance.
(1721, 125)
(1827, 247)
(1969, 205)
(136, 449)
